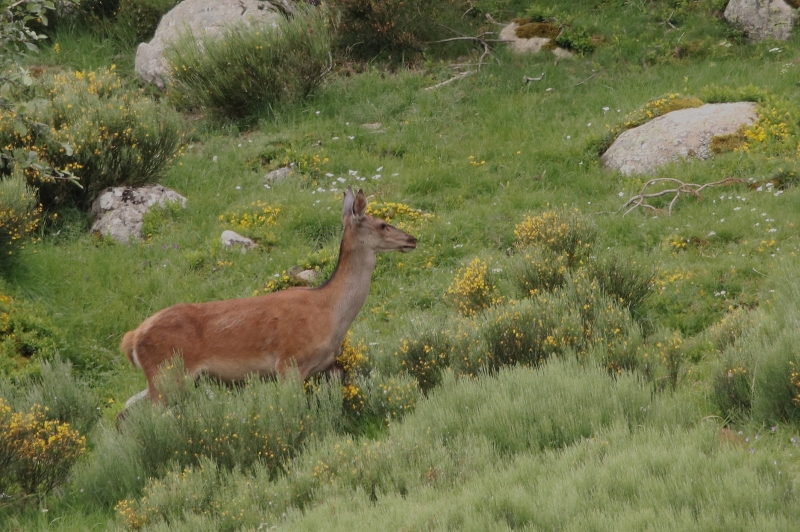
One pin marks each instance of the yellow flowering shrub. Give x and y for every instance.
(529, 331)
(353, 360)
(472, 289)
(20, 213)
(425, 356)
(563, 231)
(36, 453)
(89, 125)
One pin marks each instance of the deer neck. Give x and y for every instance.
(348, 287)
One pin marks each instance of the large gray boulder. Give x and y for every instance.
(761, 19)
(677, 135)
(120, 210)
(202, 16)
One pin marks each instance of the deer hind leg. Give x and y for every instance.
(129, 403)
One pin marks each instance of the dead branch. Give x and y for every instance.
(587, 79)
(451, 80)
(528, 79)
(493, 21)
(640, 199)
(478, 39)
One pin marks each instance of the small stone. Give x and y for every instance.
(232, 238)
(278, 175)
(307, 276)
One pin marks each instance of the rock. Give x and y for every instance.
(761, 19)
(306, 276)
(201, 16)
(677, 135)
(278, 175)
(119, 210)
(533, 45)
(231, 239)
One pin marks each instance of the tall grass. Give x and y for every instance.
(251, 69)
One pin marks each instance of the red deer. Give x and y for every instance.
(267, 334)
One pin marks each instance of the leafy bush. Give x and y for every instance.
(36, 453)
(425, 355)
(624, 279)
(473, 288)
(562, 231)
(89, 125)
(63, 397)
(250, 69)
(27, 336)
(536, 269)
(20, 213)
(529, 331)
(137, 20)
(397, 29)
(757, 374)
(260, 422)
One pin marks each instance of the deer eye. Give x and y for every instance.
(384, 225)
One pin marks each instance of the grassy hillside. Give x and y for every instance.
(677, 410)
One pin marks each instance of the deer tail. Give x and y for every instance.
(128, 348)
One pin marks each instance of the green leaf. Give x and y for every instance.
(20, 128)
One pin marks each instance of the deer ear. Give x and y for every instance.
(360, 206)
(347, 203)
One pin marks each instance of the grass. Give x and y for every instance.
(563, 446)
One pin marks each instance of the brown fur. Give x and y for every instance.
(264, 335)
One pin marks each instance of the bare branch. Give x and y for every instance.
(587, 79)
(451, 80)
(640, 199)
(528, 79)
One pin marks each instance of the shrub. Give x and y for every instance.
(263, 422)
(137, 20)
(564, 232)
(537, 269)
(528, 332)
(624, 279)
(20, 212)
(424, 356)
(36, 453)
(473, 288)
(27, 336)
(58, 392)
(387, 397)
(89, 125)
(397, 29)
(733, 393)
(250, 69)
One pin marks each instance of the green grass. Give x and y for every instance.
(564, 446)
